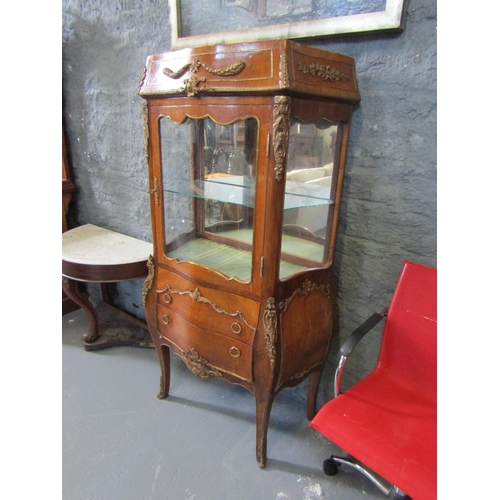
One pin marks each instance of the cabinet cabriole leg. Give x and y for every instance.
(312, 393)
(264, 405)
(164, 356)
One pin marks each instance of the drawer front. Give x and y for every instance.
(210, 309)
(216, 351)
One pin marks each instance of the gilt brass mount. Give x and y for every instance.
(191, 84)
(324, 72)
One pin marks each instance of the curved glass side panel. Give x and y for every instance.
(311, 177)
(209, 192)
(176, 164)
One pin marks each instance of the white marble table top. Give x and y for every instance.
(94, 245)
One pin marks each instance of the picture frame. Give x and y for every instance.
(389, 18)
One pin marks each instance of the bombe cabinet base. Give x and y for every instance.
(222, 335)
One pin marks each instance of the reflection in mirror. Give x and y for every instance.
(312, 169)
(209, 192)
(230, 166)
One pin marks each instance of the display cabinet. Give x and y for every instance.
(246, 145)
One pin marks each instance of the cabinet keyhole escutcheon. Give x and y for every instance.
(155, 191)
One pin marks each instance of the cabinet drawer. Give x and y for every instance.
(218, 351)
(209, 309)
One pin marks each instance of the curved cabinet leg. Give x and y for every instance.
(164, 357)
(70, 287)
(264, 404)
(312, 393)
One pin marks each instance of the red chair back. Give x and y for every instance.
(408, 352)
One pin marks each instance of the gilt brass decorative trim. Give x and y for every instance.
(300, 375)
(231, 70)
(177, 74)
(281, 129)
(293, 378)
(145, 123)
(155, 191)
(194, 67)
(232, 88)
(324, 72)
(162, 393)
(148, 283)
(306, 289)
(198, 297)
(284, 77)
(270, 320)
(261, 456)
(192, 84)
(143, 79)
(199, 365)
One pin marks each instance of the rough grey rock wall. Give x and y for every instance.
(389, 205)
(104, 49)
(390, 196)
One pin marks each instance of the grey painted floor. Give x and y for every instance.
(120, 442)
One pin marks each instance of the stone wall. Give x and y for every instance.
(389, 205)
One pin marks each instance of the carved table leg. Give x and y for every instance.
(70, 287)
(312, 392)
(264, 405)
(164, 356)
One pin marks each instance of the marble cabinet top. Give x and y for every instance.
(94, 245)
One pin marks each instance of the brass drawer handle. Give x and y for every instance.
(166, 319)
(167, 298)
(236, 328)
(235, 352)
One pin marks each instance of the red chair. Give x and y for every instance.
(387, 422)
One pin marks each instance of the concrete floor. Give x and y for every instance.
(120, 442)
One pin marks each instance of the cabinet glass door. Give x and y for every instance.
(311, 180)
(209, 172)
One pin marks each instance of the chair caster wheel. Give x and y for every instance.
(330, 467)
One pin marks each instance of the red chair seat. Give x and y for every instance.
(378, 418)
(388, 420)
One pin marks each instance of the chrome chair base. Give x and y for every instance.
(331, 465)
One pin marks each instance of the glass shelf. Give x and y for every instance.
(240, 190)
(303, 195)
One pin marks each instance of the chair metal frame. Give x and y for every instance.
(330, 464)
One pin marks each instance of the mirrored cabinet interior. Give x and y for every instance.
(246, 145)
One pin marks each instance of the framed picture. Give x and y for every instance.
(195, 23)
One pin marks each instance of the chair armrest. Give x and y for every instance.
(351, 342)
(353, 339)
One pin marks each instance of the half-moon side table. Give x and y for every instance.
(94, 254)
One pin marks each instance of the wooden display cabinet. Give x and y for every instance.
(240, 285)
